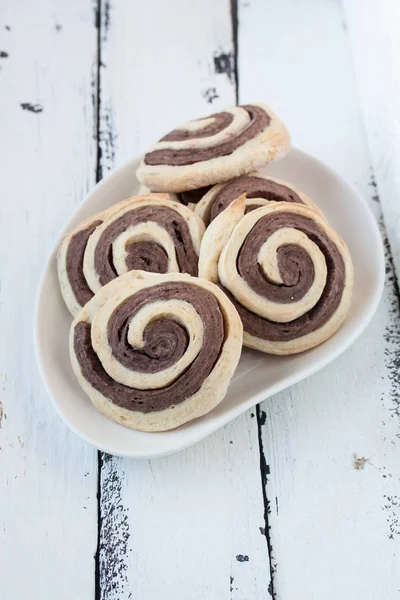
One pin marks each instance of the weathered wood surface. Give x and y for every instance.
(297, 499)
(331, 442)
(48, 476)
(374, 38)
(186, 526)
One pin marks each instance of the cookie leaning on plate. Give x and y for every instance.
(146, 232)
(155, 351)
(260, 190)
(287, 272)
(213, 149)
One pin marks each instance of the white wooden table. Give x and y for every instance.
(298, 499)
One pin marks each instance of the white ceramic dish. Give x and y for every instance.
(258, 376)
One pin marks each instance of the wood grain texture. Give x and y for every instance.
(191, 525)
(47, 475)
(331, 442)
(373, 34)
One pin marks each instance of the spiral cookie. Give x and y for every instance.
(74, 287)
(260, 190)
(155, 351)
(285, 269)
(214, 149)
(149, 233)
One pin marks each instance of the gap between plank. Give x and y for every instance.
(99, 175)
(97, 590)
(264, 470)
(235, 42)
(98, 16)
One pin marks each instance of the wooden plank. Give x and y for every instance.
(186, 526)
(374, 38)
(48, 476)
(331, 442)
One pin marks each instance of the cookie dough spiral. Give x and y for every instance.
(74, 287)
(155, 351)
(287, 272)
(148, 232)
(260, 190)
(214, 149)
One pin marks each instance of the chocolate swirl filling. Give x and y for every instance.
(165, 342)
(259, 120)
(193, 196)
(74, 264)
(148, 256)
(297, 273)
(253, 187)
(221, 121)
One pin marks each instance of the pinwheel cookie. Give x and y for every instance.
(147, 232)
(213, 149)
(155, 351)
(260, 190)
(285, 269)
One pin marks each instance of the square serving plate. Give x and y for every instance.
(258, 375)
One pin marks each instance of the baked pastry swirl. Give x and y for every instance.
(153, 351)
(260, 190)
(287, 272)
(213, 149)
(146, 232)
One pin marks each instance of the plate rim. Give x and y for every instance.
(252, 400)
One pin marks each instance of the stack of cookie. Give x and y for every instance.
(167, 286)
